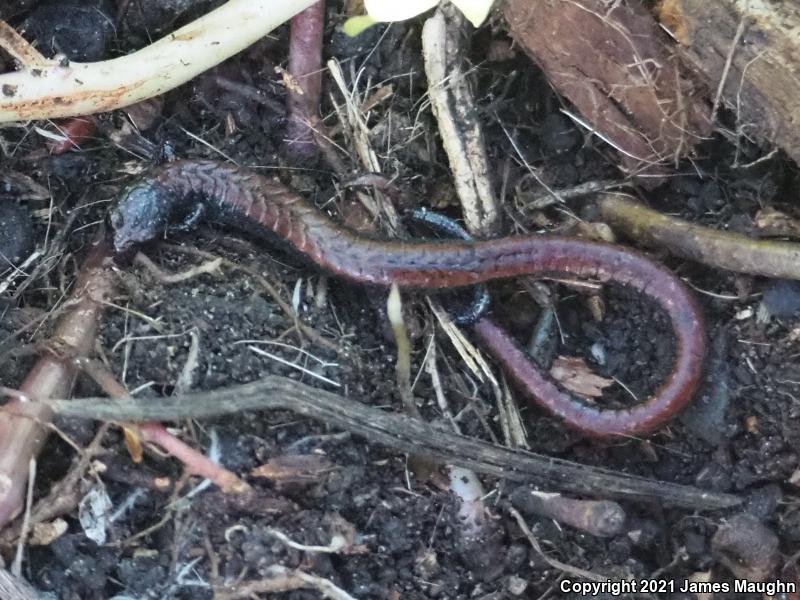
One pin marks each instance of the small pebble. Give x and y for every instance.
(557, 134)
(81, 30)
(16, 234)
(598, 353)
(747, 548)
(782, 298)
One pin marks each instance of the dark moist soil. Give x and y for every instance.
(739, 436)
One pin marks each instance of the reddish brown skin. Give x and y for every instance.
(75, 131)
(264, 206)
(305, 65)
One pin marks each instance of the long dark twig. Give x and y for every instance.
(401, 433)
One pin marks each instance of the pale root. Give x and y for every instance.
(71, 89)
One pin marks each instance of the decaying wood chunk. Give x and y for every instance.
(753, 48)
(453, 103)
(612, 61)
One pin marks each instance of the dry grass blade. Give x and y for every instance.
(394, 310)
(354, 123)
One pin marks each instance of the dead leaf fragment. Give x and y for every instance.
(290, 81)
(772, 222)
(134, 444)
(574, 374)
(45, 533)
(670, 14)
(294, 468)
(610, 61)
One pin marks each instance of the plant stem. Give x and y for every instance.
(23, 421)
(305, 66)
(73, 89)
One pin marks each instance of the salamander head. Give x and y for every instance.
(141, 213)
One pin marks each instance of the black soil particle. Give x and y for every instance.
(16, 234)
(81, 30)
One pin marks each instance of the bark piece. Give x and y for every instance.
(753, 49)
(611, 61)
(453, 103)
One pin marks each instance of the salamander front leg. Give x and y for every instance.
(190, 221)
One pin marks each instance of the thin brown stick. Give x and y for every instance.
(155, 433)
(23, 423)
(401, 433)
(194, 462)
(305, 66)
(280, 579)
(723, 249)
(18, 47)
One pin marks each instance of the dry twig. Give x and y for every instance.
(723, 249)
(602, 518)
(556, 564)
(401, 433)
(155, 433)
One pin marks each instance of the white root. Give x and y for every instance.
(62, 90)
